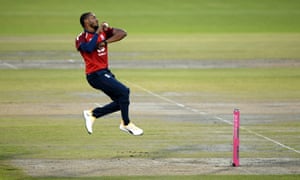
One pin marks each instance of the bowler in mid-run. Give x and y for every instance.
(92, 44)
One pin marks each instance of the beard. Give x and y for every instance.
(96, 27)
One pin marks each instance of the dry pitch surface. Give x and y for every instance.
(147, 105)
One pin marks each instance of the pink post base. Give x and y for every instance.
(236, 139)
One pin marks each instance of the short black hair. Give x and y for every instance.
(83, 17)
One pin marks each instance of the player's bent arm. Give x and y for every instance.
(118, 34)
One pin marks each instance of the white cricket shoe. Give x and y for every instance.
(89, 120)
(131, 129)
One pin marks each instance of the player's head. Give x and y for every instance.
(89, 20)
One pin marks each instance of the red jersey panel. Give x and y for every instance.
(97, 59)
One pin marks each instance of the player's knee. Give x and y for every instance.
(125, 95)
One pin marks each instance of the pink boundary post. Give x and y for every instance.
(236, 139)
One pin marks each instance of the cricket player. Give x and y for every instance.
(92, 44)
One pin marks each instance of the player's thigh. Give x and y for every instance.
(114, 86)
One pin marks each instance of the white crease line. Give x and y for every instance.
(203, 113)
(10, 66)
(269, 139)
(156, 95)
(224, 120)
(217, 117)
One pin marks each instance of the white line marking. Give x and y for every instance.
(217, 117)
(156, 95)
(10, 66)
(224, 120)
(194, 110)
(269, 139)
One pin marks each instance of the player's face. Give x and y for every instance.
(93, 21)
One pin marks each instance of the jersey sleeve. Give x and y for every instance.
(83, 45)
(79, 40)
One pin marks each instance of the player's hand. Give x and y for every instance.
(104, 25)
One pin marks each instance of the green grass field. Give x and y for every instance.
(162, 30)
(41, 108)
(57, 133)
(152, 16)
